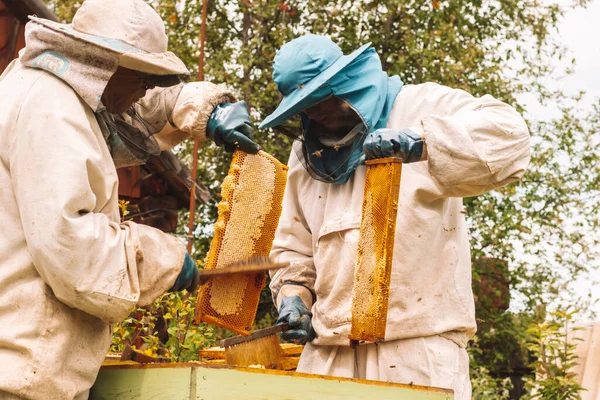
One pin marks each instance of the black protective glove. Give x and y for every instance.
(402, 143)
(229, 125)
(293, 311)
(189, 277)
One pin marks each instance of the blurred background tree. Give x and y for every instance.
(542, 230)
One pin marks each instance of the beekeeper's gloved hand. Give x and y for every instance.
(293, 311)
(189, 277)
(229, 125)
(402, 143)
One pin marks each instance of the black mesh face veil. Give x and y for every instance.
(129, 145)
(339, 170)
(140, 136)
(330, 147)
(330, 164)
(329, 141)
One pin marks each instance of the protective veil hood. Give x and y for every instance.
(85, 54)
(311, 68)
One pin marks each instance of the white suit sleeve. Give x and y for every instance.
(474, 144)
(293, 243)
(180, 111)
(64, 185)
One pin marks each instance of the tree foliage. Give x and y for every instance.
(554, 359)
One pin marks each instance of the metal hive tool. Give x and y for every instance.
(375, 252)
(249, 212)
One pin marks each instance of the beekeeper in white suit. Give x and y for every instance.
(453, 145)
(68, 268)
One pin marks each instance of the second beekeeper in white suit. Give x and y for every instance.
(453, 145)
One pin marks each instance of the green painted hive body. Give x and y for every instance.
(194, 381)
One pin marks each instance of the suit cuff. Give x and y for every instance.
(307, 296)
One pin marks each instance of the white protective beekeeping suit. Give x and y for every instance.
(473, 145)
(68, 267)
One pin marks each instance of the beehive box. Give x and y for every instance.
(195, 381)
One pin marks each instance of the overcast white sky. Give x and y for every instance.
(579, 31)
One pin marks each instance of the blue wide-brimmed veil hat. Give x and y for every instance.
(310, 69)
(301, 69)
